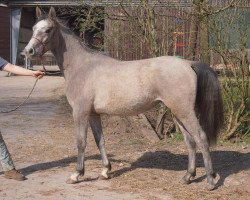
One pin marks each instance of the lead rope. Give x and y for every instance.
(45, 73)
(26, 99)
(8, 111)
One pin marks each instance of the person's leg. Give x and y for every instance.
(7, 163)
(5, 157)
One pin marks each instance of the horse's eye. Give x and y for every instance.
(48, 30)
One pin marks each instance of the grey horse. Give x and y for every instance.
(97, 84)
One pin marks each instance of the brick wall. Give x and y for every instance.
(5, 33)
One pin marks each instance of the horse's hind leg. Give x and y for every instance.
(96, 126)
(191, 124)
(191, 147)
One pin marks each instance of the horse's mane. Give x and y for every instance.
(64, 27)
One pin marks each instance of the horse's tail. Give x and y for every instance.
(209, 103)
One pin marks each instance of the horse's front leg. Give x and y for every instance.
(96, 126)
(81, 126)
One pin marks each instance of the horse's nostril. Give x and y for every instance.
(31, 51)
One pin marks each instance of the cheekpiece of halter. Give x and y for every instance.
(40, 42)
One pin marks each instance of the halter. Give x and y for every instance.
(40, 42)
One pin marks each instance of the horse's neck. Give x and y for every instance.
(67, 52)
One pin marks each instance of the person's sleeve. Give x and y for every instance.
(2, 63)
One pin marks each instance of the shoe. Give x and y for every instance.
(14, 174)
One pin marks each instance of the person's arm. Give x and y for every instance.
(21, 71)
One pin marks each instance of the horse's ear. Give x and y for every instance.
(52, 12)
(38, 12)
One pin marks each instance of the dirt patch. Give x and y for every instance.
(41, 139)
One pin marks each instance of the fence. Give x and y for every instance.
(125, 39)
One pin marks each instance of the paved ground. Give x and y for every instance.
(27, 133)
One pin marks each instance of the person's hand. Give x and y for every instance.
(38, 74)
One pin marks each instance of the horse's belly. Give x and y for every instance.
(123, 106)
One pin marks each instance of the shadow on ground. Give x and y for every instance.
(225, 163)
(61, 163)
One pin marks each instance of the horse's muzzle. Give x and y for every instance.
(29, 52)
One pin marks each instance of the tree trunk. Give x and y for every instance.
(204, 36)
(193, 33)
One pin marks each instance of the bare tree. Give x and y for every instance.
(152, 31)
(230, 39)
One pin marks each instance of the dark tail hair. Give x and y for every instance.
(209, 103)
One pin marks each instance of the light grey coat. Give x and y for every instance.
(97, 84)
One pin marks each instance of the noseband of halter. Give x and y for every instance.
(40, 42)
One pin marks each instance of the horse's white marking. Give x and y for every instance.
(75, 176)
(39, 36)
(43, 24)
(105, 173)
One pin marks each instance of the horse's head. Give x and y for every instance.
(45, 34)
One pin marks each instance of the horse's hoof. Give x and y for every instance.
(187, 179)
(184, 181)
(105, 174)
(101, 177)
(210, 187)
(70, 181)
(75, 178)
(212, 181)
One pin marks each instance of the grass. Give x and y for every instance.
(247, 139)
(177, 137)
(133, 141)
(136, 141)
(236, 93)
